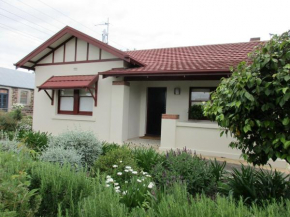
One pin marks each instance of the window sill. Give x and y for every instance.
(75, 118)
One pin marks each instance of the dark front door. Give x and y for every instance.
(156, 106)
(3, 100)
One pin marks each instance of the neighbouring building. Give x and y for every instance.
(122, 96)
(16, 87)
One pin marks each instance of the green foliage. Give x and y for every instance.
(35, 140)
(107, 147)
(16, 198)
(182, 166)
(257, 186)
(59, 185)
(253, 104)
(147, 158)
(85, 142)
(196, 112)
(177, 202)
(25, 124)
(7, 122)
(60, 155)
(218, 170)
(121, 157)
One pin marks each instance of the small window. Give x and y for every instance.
(75, 102)
(199, 95)
(24, 97)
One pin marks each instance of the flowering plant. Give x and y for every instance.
(135, 188)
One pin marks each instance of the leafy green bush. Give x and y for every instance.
(218, 170)
(147, 158)
(182, 166)
(60, 155)
(85, 142)
(120, 157)
(35, 140)
(17, 111)
(16, 198)
(59, 185)
(257, 186)
(7, 122)
(196, 112)
(107, 147)
(25, 124)
(253, 104)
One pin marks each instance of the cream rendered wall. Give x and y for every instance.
(45, 117)
(175, 104)
(81, 50)
(47, 59)
(58, 55)
(70, 50)
(106, 55)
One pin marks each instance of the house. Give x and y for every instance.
(16, 87)
(82, 82)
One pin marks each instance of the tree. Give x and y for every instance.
(253, 104)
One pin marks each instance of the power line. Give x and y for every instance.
(23, 24)
(42, 12)
(29, 14)
(17, 32)
(66, 16)
(26, 19)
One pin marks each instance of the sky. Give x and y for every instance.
(139, 24)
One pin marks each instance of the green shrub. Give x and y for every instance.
(147, 158)
(218, 170)
(59, 185)
(17, 111)
(103, 201)
(16, 199)
(35, 140)
(182, 166)
(107, 147)
(25, 124)
(7, 122)
(257, 186)
(85, 142)
(121, 157)
(60, 155)
(196, 112)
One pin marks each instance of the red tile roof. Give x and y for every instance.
(207, 58)
(69, 82)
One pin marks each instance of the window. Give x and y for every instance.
(196, 98)
(24, 97)
(75, 102)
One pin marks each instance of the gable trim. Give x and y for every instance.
(77, 34)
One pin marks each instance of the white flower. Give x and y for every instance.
(125, 192)
(108, 177)
(144, 173)
(121, 161)
(126, 171)
(110, 180)
(131, 170)
(148, 176)
(126, 182)
(117, 187)
(134, 172)
(138, 180)
(116, 183)
(151, 184)
(119, 173)
(127, 167)
(118, 191)
(115, 166)
(107, 185)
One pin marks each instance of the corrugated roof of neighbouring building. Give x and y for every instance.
(15, 78)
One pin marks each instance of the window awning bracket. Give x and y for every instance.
(95, 97)
(50, 97)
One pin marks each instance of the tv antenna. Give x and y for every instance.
(105, 34)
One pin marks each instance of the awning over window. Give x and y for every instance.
(69, 82)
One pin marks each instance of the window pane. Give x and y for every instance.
(200, 94)
(86, 104)
(84, 92)
(3, 91)
(66, 103)
(23, 97)
(67, 92)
